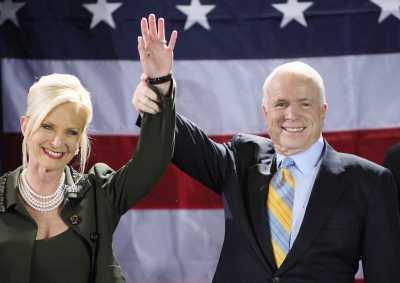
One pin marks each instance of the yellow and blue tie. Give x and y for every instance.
(279, 204)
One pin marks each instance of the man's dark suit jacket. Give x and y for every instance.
(392, 162)
(352, 213)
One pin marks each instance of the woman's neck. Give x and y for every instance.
(43, 180)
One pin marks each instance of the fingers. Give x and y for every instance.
(145, 31)
(145, 100)
(143, 77)
(150, 30)
(147, 107)
(152, 26)
(151, 96)
(161, 29)
(141, 48)
(172, 40)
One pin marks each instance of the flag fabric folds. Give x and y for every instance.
(224, 51)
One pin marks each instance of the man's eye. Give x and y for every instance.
(280, 104)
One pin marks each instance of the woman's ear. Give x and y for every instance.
(24, 122)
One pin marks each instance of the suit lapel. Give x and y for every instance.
(78, 211)
(326, 191)
(259, 177)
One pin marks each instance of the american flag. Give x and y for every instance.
(224, 51)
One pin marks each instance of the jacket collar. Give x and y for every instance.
(73, 182)
(259, 176)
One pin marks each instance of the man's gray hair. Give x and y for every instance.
(299, 68)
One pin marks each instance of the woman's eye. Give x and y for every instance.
(46, 126)
(72, 132)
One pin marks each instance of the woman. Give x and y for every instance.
(56, 224)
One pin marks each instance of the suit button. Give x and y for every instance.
(276, 279)
(75, 219)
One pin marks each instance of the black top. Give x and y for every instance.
(61, 259)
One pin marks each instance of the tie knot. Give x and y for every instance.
(287, 163)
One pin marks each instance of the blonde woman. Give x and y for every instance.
(56, 224)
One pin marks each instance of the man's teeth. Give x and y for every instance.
(295, 130)
(53, 153)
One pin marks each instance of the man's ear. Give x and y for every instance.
(324, 110)
(264, 111)
(24, 123)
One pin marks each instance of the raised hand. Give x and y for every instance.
(156, 56)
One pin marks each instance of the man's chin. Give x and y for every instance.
(288, 149)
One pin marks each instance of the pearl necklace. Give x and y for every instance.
(41, 203)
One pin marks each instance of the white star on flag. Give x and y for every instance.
(8, 11)
(388, 7)
(102, 12)
(293, 10)
(196, 13)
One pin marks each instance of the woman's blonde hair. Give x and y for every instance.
(46, 94)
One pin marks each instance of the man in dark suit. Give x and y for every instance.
(392, 162)
(296, 210)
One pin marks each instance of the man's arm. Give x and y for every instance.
(196, 154)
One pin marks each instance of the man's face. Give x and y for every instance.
(293, 112)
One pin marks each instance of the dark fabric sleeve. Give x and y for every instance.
(153, 153)
(196, 154)
(381, 245)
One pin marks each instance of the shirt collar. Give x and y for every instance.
(306, 160)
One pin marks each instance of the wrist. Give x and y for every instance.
(163, 88)
(160, 80)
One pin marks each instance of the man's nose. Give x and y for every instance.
(291, 113)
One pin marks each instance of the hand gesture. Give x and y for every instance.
(144, 99)
(155, 55)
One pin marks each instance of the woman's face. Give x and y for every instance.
(56, 141)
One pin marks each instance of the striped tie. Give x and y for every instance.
(280, 203)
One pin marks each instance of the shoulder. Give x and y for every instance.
(79, 185)
(243, 141)
(252, 148)
(3, 196)
(392, 156)
(361, 177)
(8, 184)
(394, 150)
(354, 162)
(362, 171)
(100, 172)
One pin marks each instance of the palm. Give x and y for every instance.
(157, 60)
(155, 56)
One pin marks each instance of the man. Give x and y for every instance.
(295, 209)
(392, 162)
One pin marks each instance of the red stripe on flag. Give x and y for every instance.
(177, 190)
